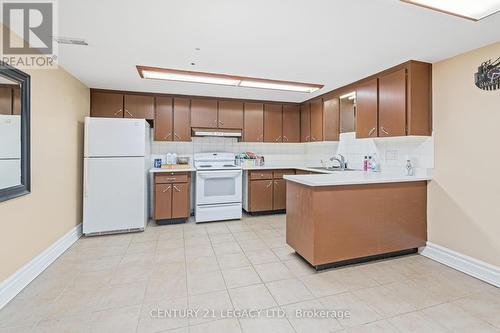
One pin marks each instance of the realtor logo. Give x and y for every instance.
(27, 38)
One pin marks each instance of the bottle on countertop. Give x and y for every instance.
(174, 158)
(375, 165)
(369, 163)
(169, 158)
(409, 170)
(365, 163)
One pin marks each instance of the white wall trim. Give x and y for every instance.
(22, 277)
(468, 265)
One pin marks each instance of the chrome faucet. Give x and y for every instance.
(341, 160)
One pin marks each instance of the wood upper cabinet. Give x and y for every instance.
(253, 130)
(291, 123)
(163, 202)
(104, 104)
(331, 119)
(317, 120)
(305, 122)
(261, 195)
(279, 194)
(392, 103)
(180, 200)
(139, 106)
(204, 113)
(230, 114)
(273, 122)
(6, 100)
(16, 101)
(164, 119)
(419, 99)
(367, 109)
(182, 127)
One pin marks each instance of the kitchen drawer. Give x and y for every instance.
(267, 174)
(171, 177)
(278, 174)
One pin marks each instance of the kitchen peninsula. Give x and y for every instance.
(346, 217)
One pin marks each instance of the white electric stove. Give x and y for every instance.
(218, 187)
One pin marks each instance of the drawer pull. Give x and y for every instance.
(269, 185)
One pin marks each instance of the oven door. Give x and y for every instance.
(216, 187)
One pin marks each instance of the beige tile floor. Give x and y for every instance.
(113, 283)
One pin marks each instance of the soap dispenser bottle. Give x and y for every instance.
(409, 170)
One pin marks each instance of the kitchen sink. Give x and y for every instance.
(333, 169)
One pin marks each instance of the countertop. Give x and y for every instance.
(333, 178)
(156, 170)
(285, 166)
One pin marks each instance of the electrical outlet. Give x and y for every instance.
(391, 155)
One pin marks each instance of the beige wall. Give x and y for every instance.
(464, 197)
(32, 223)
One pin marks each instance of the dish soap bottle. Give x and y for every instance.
(375, 165)
(409, 171)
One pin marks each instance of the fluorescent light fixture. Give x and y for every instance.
(223, 79)
(350, 95)
(474, 10)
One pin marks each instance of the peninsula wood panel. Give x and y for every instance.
(253, 130)
(393, 218)
(164, 119)
(317, 120)
(230, 114)
(139, 106)
(331, 119)
(204, 113)
(367, 109)
(273, 122)
(182, 127)
(305, 122)
(392, 104)
(291, 123)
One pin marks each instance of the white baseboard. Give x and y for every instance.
(21, 278)
(468, 265)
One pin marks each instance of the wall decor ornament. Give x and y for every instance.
(488, 75)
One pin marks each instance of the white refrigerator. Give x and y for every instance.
(116, 162)
(10, 151)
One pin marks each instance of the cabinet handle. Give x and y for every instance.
(308, 137)
(165, 190)
(269, 185)
(116, 113)
(285, 138)
(167, 136)
(176, 136)
(171, 179)
(278, 138)
(372, 131)
(383, 130)
(176, 188)
(313, 138)
(130, 114)
(275, 183)
(260, 137)
(221, 122)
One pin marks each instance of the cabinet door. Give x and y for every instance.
(180, 200)
(305, 122)
(317, 120)
(273, 122)
(331, 119)
(253, 123)
(261, 195)
(16, 103)
(138, 106)
(6, 100)
(163, 202)
(367, 109)
(109, 105)
(204, 113)
(392, 104)
(164, 119)
(279, 197)
(182, 127)
(291, 123)
(230, 114)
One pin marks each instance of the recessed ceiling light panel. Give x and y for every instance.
(470, 9)
(223, 79)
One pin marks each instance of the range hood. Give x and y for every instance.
(217, 132)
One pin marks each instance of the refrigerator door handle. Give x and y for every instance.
(85, 179)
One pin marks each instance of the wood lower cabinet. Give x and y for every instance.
(253, 130)
(267, 190)
(273, 122)
(139, 106)
(305, 122)
(204, 113)
(172, 196)
(331, 119)
(291, 123)
(317, 120)
(108, 105)
(392, 104)
(182, 120)
(367, 109)
(230, 115)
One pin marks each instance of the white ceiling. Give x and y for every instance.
(331, 42)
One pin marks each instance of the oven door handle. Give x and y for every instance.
(219, 174)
